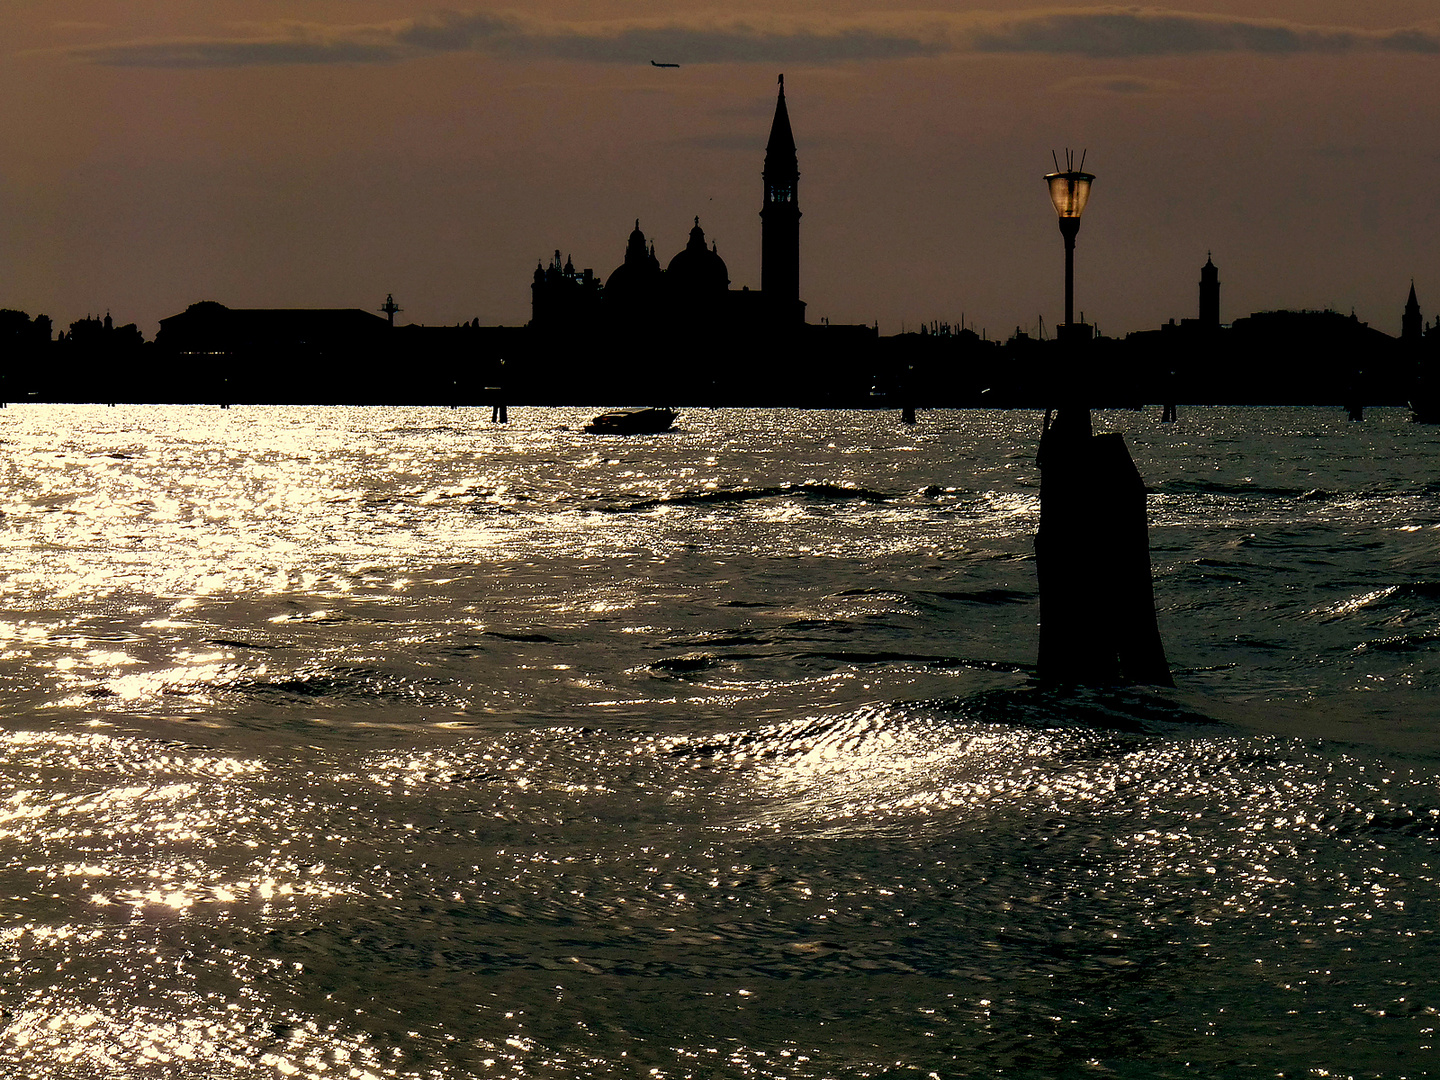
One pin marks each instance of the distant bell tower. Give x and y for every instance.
(1209, 295)
(780, 220)
(1411, 327)
(389, 308)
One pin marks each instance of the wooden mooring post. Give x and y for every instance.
(1092, 557)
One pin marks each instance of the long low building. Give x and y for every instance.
(326, 355)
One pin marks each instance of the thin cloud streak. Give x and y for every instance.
(1125, 85)
(232, 54)
(1098, 33)
(1136, 33)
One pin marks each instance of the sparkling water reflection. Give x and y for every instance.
(390, 743)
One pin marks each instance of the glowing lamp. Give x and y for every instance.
(1069, 191)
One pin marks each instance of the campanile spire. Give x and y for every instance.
(780, 220)
(1411, 326)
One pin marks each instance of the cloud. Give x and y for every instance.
(1092, 32)
(241, 53)
(733, 40)
(290, 43)
(1116, 84)
(1146, 32)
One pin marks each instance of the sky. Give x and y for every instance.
(325, 154)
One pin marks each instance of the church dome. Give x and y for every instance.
(698, 269)
(639, 272)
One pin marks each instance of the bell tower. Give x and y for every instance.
(1209, 295)
(1411, 326)
(780, 221)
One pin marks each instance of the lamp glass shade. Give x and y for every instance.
(1069, 191)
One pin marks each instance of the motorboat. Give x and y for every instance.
(632, 422)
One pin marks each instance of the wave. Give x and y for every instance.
(1387, 596)
(1428, 590)
(688, 664)
(1225, 571)
(809, 491)
(428, 429)
(1400, 643)
(1127, 709)
(344, 683)
(986, 596)
(1401, 821)
(1220, 487)
(849, 656)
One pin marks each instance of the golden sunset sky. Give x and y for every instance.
(323, 154)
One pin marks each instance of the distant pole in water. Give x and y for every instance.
(1168, 415)
(498, 413)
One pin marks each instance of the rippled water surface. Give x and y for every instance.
(393, 743)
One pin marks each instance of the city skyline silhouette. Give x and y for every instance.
(681, 332)
(220, 155)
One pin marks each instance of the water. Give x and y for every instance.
(391, 743)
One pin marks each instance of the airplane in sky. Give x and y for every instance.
(656, 63)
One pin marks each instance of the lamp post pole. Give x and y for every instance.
(1069, 192)
(1092, 550)
(1069, 227)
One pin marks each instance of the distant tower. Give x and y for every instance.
(1209, 295)
(780, 220)
(390, 307)
(1411, 326)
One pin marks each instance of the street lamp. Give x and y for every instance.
(1092, 550)
(1069, 191)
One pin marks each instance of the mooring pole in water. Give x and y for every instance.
(1092, 558)
(499, 414)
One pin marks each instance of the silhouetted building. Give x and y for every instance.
(693, 290)
(780, 220)
(698, 281)
(95, 360)
(211, 329)
(1209, 295)
(1305, 358)
(211, 352)
(561, 297)
(1411, 325)
(633, 289)
(1421, 346)
(101, 340)
(682, 334)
